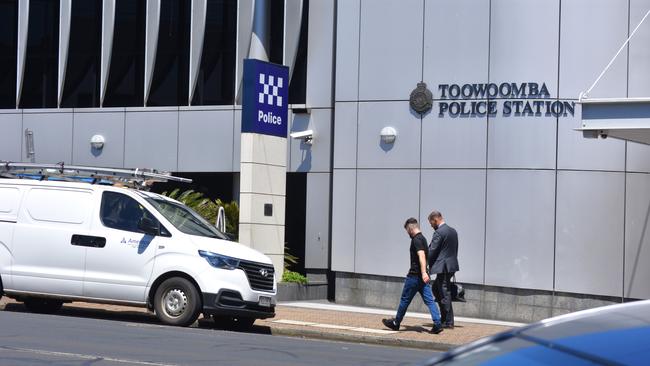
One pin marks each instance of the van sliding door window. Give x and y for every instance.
(122, 212)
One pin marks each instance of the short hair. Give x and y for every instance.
(434, 214)
(411, 221)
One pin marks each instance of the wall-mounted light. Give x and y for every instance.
(388, 135)
(97, 142)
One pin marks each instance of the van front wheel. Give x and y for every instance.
(177, 302)
(43, 306)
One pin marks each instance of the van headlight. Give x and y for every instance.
(219, 261)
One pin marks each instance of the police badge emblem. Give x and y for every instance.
(421, 99)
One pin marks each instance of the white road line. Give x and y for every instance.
(376, 331)
(83, 356)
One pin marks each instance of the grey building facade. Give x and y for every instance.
(549, 222)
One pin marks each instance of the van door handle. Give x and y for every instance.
(88, 241)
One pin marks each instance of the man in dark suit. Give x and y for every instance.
(443, 261)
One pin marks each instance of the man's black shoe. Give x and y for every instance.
(436, 329)
(390, 323)
(448, 326)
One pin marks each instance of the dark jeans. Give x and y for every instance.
(413, 285)
(442, 292)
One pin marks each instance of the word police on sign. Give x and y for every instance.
(513, 99)
(265, 98)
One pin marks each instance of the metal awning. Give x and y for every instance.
(622, 118)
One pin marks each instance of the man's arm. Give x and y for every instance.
(423, 266)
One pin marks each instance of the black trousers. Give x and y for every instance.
(442, 293)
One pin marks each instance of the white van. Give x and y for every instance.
(67, 241)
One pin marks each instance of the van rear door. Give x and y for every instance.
(46, 258)
(9, 203)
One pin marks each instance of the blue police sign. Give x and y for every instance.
(265, 98)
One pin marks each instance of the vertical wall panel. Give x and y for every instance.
(530, 53)
(52, 135)
(390, 56)
(152, 150)
(456, 42)
(107, 123)
(319, 53)
(589, 233)
(344, 205)
(404, 152)
(519, 236)
(347, 50)
(345, 135)
(577, 152)
(591, 33)
(314, 157)
(205, 141)
(637, 237)
(460, 196)
(11, 136)
(317, 220)
(449, 142)
(639, 73)
(522, 142)
(385, 199)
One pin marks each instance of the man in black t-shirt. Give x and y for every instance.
(416, 280)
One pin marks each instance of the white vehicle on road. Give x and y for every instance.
(70, 241)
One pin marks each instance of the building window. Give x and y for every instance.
(298, 84)
(125, 86)
(82, 70)
(276, 53)
(8, 50)
(170, 83)
(216, 80)
(40, 79)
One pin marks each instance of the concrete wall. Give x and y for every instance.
(537, 207)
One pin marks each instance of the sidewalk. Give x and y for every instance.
(322, 320)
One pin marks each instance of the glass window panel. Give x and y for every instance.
(216, 80)
(81, 87)
(298, 84)
(121, 212)
(170, 83)
(8, 50)
(125, 87)
(41, 61)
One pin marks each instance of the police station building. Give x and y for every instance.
(396, 108)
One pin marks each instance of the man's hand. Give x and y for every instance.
(425, 277)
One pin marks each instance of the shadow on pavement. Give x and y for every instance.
(134, 317)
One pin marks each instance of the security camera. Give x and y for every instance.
(307, 136)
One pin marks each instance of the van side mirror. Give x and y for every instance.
(149, 226)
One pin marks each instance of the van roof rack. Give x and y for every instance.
(134, 178)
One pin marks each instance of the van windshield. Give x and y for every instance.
(185, 219)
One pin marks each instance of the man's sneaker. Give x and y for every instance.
(390, 323)
(437, 328)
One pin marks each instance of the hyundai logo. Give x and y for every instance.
(264, 272)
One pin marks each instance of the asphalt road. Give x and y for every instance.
(85, 339)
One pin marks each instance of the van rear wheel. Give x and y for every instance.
(43, 306)
(177, 302)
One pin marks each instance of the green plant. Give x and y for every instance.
(289, 259)
(294, 277)
(209, 209)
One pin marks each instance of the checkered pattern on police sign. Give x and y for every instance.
(270, 90)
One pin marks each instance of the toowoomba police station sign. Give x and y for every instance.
(505, 99)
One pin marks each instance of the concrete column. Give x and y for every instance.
(262, 195)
